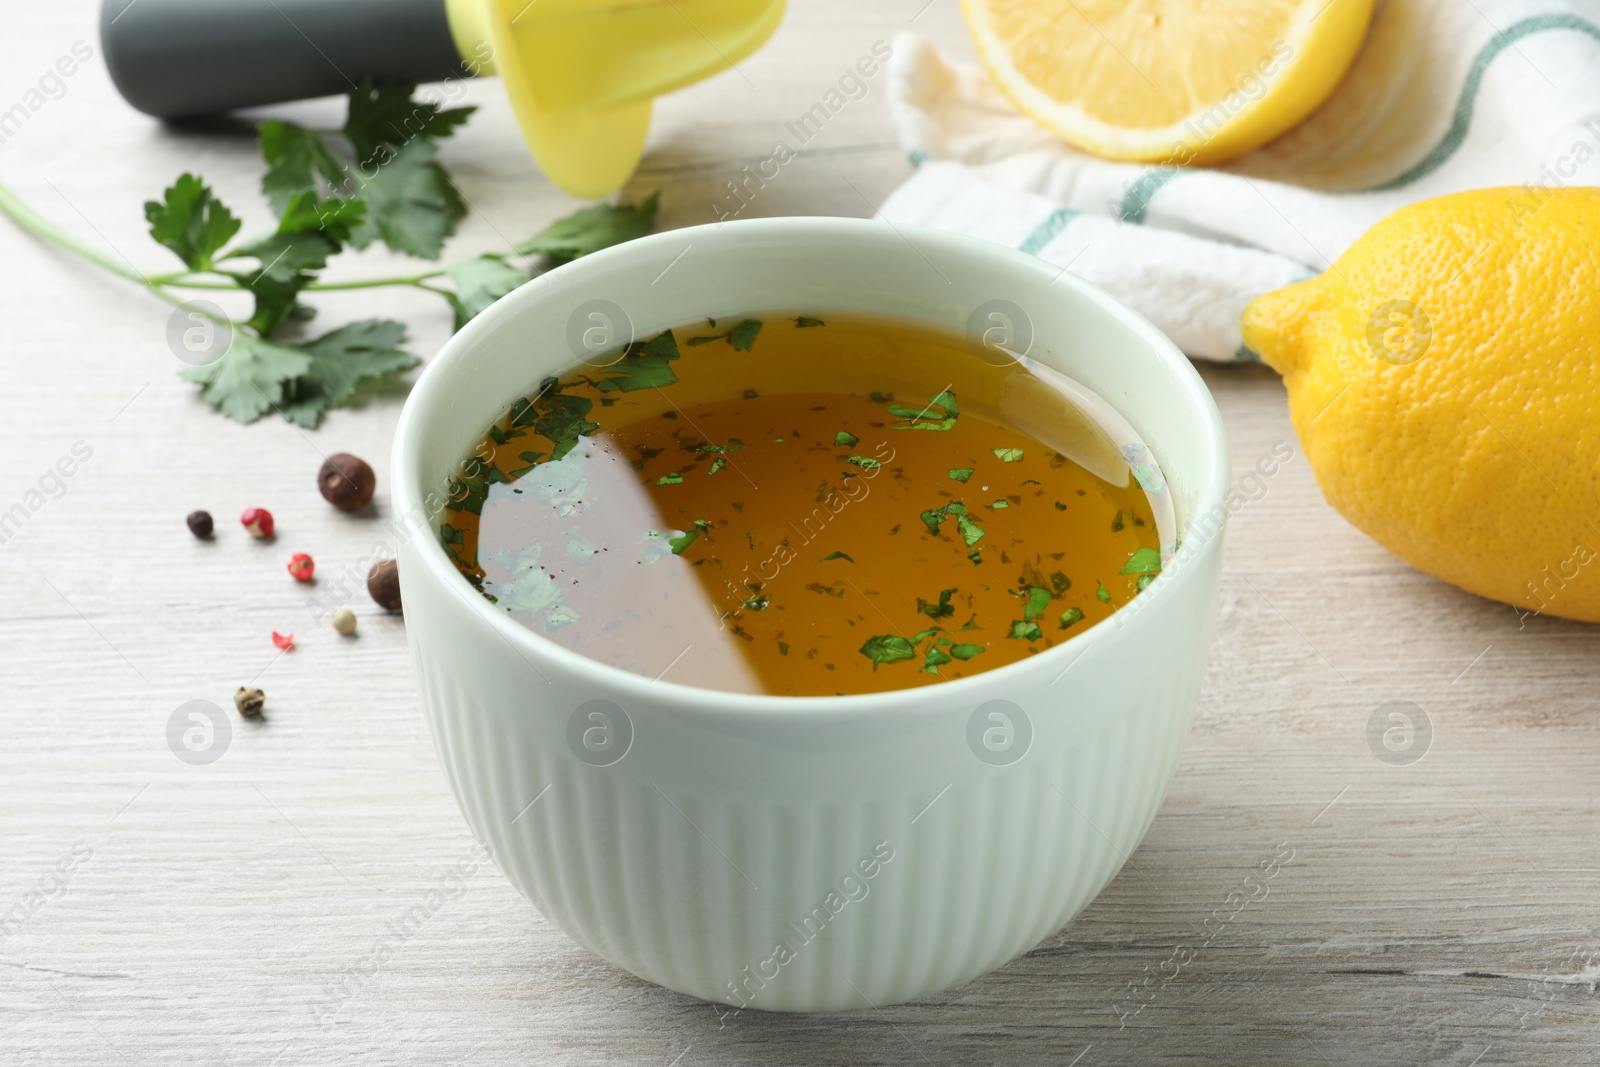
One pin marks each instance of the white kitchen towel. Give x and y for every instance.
(1445, 95)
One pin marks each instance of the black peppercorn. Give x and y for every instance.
(346, 481)
(200, 523)
(383, 582)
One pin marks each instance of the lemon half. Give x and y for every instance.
(1170, 81)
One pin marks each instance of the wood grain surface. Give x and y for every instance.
(251, 911)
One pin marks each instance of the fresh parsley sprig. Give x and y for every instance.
(375, 178)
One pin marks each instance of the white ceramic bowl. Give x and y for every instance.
(806, 853)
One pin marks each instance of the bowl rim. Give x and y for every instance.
(431, 391)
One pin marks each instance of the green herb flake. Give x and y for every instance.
(1038, 600)
(1143, 561)
(924, 419)
(887, 648)
(837, 555)
(864, 462)
(670, 478)
(964, 652)
(1101, 593)
(1059, 583)
(846, 439)
(943, 609)
(971, 532)
(759, 602)
(645, 365)
(802, 322)
(716, 465)
(1116, 523)
(1026, 631)
(961, 474)
(975, 556)
(682, 541)
(1007, 455)
(834, 590)
(1071, 616)
(934, 659)
(1060, 506)
(742, 336)
(1144, 580)
(998, 504)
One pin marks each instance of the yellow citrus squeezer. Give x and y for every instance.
(581, 74)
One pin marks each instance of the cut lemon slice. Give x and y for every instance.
(1169, 81)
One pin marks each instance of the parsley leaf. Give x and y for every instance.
(1038, 600)
(864, 462)
(961, 474)
(411, 202)
(1007, 455)
(1026, 631)
(384, 114)
(248, 380)
(190, 220)
(479, 283)
(340, 360)
(837, 555)
(965, 651)
(296, 158)
(308, 232)
(845, 438)
(1070, 616)
(1101, 593)
(592, 229)
(670, 478)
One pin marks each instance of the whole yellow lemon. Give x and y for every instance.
(1444, 378)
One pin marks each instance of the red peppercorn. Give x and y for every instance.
(258, 521)
(301, 566)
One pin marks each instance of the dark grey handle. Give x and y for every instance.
(178, 58)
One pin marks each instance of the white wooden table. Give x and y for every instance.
(154, 912)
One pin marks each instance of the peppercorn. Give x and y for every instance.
(383, 582)
(200, 524)
(250, 702)
(344, 621)
(258, 521)
(301, 566)
(346, 481)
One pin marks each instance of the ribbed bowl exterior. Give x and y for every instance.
(692, 858)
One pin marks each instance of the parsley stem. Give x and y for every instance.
(39, 226)
(373, 283)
